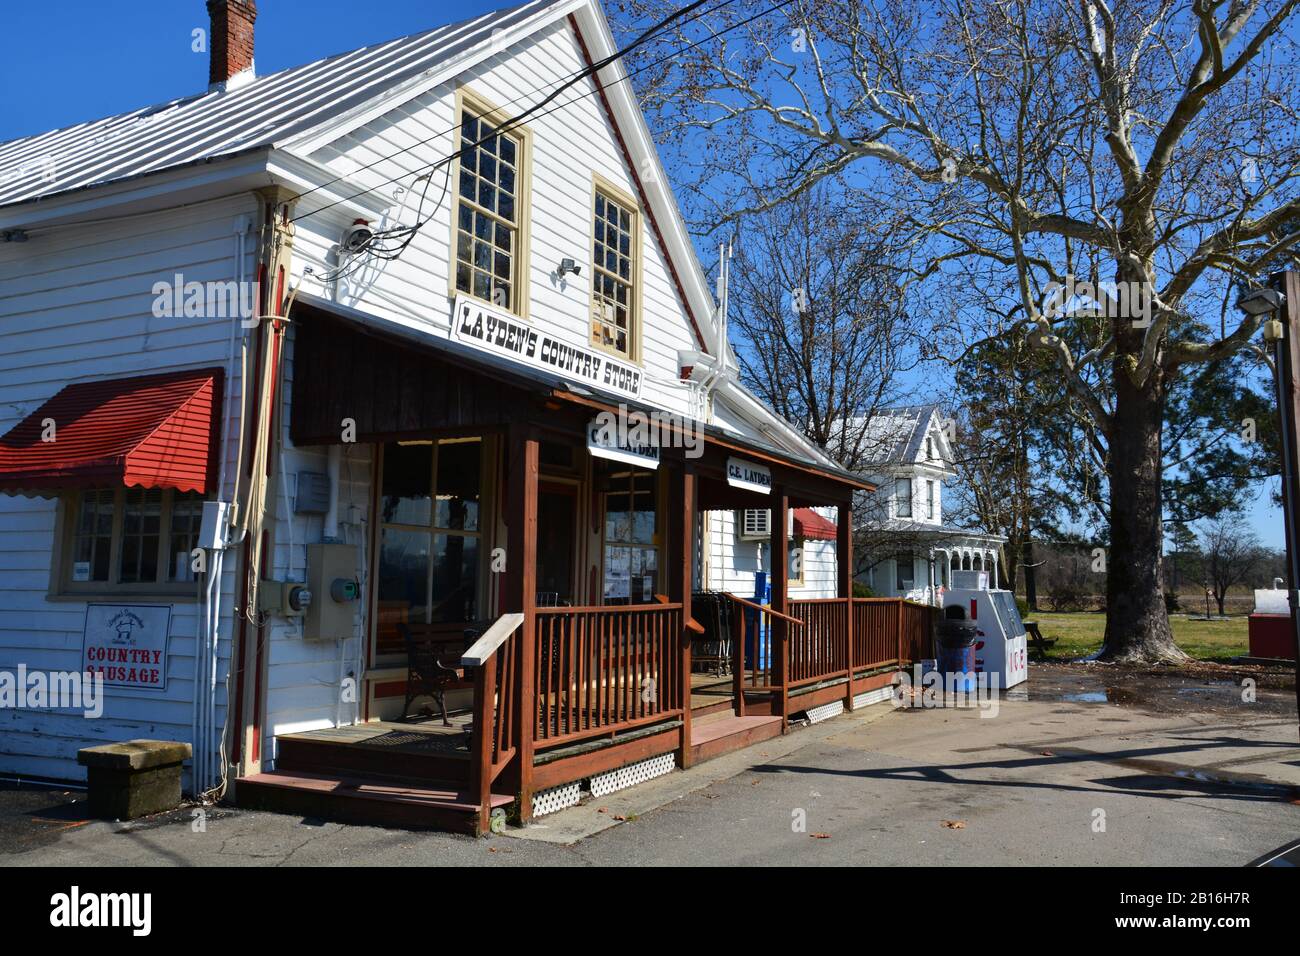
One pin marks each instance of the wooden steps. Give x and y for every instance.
(719, 734)
(424, 804)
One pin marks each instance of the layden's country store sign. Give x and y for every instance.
(500, 333)
(127, 644)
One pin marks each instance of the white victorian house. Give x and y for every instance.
(910, 551)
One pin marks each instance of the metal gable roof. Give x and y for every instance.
(268, 110)
(894, 435)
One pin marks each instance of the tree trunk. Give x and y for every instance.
(1137, 624)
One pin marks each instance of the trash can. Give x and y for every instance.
(957, 637)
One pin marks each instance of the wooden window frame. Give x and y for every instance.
(657, 543)
(930, 499)
(487, 111)
(62, 587)
(898, 498)
(799, 545)
(481, 534)
(600, 185)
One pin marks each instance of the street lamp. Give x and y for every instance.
(1279, 300)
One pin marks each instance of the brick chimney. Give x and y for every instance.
(231, 43)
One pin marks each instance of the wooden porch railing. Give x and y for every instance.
(495, 659)
(812, 641)
(601, 670)
(876, 623)
(819, 650)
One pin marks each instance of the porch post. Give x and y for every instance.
(844, 556)
(779, 647)
(681, 542)
(521, 593)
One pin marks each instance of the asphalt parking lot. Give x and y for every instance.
(1085, 767)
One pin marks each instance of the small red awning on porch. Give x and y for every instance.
(809, 524)
(151, 431)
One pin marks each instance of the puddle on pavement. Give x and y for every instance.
(1174, 692)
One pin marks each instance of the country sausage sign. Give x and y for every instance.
(496, 331)
(126, 644)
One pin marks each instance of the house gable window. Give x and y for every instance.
(615, 273)
(134, 540)
(489, 229)
(903, 492)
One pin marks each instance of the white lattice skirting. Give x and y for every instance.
(632, 774)
(556, 798)
(877, 696)
(825, 712)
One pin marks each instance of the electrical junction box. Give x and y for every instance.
(313, 496)
(332, 581)
(213, 525)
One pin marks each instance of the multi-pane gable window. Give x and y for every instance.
(613, 273)
(487, 213)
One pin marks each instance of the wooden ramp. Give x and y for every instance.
(718, 734)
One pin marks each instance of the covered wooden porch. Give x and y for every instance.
(564, 693)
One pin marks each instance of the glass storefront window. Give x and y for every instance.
(631, 538)
(429, 552)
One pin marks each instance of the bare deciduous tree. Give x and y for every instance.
(1230, 554)
(816, 320)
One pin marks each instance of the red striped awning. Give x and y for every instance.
(809, 524)
(151, 431)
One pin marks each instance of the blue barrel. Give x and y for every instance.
(957, 638)
(959, 661)
(757, 634)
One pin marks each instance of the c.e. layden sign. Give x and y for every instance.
(497, 331)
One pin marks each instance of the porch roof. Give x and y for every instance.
(550, 385)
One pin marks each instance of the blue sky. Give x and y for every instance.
(65, 62)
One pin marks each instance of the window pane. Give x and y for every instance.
(403, 575)
(644, 577)
(408, 473)
(458, 485)
(455, 577)
(904, 492)
(488, 180)
(618, 575)
(187, 515)
(93, 537)
(612, 272)
(141, 523)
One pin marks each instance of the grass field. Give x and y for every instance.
(1078, 634)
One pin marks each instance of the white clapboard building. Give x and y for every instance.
(910, 552)
(304, 363)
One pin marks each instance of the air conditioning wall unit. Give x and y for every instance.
(754, 524)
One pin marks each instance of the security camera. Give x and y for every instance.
(356, 237)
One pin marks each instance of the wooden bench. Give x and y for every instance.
(1039, 643)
